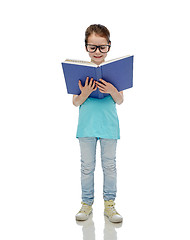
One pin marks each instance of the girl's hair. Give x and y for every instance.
(99, 29)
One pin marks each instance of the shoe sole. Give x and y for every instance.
(84, 218)
(112, 220)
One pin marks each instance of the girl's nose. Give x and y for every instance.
(97, 50)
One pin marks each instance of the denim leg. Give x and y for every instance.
(88, 162)
(108, 156)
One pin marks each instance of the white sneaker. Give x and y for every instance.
(111, 213)
(84, 212)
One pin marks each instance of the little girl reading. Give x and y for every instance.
(98, 120)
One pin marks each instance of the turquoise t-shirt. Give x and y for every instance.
(98, 118)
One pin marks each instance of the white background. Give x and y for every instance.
(39, 154)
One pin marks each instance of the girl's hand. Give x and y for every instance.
(106, 87)
(88, 87)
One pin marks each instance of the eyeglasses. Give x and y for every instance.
(102, 48)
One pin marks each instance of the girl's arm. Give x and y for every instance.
(106, 87)
(85, 92)
(118, 97)
(79, 99)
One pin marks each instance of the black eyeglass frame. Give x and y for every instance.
(108, 45)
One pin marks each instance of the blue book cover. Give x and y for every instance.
(118, 72)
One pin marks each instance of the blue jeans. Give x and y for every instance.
(88, 162)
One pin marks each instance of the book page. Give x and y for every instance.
(114, 60)
(91, 64)
(80, 62)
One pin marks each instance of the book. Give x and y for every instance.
(118, 72)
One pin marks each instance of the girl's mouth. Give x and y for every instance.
(97, 56)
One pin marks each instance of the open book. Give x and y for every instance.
(118, 72)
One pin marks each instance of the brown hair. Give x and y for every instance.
(99, 29)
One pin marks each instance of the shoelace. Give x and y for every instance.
(84, 208)
(111, 210)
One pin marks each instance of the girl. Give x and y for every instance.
(98, 120)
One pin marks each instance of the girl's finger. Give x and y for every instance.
(94, 89)
(103, 81)
(100, 84)
(91, 83)
(102, 91)
(101, 88)
(86, 82)
(80, 85)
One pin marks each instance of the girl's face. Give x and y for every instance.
(97, 57)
